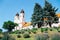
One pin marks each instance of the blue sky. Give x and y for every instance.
(8, 8)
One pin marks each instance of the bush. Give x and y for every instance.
(7, 37)
(41, 37)
(15, 32)
(44, 29)
(55, 37)
(38, 37)
(18, 36)
(0, 37)
(28, 30)
(56, 28)
(22, 31)
(51, 29)
(26, 35)
(18, 32)
(34, 30)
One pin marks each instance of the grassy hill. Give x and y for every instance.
(34, 33)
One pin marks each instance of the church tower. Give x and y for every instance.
(21, 18)
(16, 18)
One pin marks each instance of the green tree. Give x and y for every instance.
(37, 17)
(0, 30)
(50, 13)
(9, 25)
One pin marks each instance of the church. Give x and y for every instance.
(19, 19)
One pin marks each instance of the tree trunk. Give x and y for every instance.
(50, 24)
(9, 30)
(39, 24)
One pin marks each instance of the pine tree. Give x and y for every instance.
(37, 15)
(50, 13)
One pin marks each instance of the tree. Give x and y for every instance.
(37, 15)
(0, 30)
(50, 13)
(9, 25)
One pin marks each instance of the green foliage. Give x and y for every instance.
(44, 29)
(18, 36)
(1, 37)
(55, 37)
(7, 37)
(15, 32)
(28, 30)
(50, 13)
(58, 30)
(41, 37)
(9, 25)
(37, 15)
(26, 35)
(0, 30)
(51, 29)
(22, 31)
(34, 30)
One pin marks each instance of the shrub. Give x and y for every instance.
(28, 30)
(33, 31)
(0, 37)
(22, 31)
(18, 36)
(7, 37)
(15, 32)
(34, 28)
(38, 37)
(57, 28)
(55, 37)
(51, 29)
(41, 37)
(44, 29)
(26, 35)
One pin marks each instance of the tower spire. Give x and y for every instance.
(17, 14)
(22, 11)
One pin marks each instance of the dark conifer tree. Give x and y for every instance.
(37, 15)
(50, 13)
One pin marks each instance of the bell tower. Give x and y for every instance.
(21, 18)
(16, 18)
